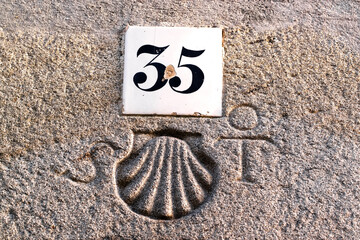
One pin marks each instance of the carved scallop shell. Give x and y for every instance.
(165, 181)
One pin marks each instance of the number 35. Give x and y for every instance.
(197, 74)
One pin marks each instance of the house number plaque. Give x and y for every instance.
(173, 71)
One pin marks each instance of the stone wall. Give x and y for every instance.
(281, 163)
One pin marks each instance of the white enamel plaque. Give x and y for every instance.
(173, 71)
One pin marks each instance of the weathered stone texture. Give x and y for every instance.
(284, 158)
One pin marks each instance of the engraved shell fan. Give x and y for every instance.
(165, 180)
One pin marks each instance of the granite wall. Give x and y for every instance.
(281, 163)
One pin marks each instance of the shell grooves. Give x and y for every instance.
(202, 174)
(163, 205)
(134, 188)
(132, 191)
(182, 205)
(150, 193)
(134, 167)
(194, 190)
(165, 180)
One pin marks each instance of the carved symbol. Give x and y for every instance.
(92, 160)
(79, 170)
(168, 73)
(259, 162)
(165, 180)
(258, 154)
(243, 118)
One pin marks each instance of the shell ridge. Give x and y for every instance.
(195, 191)
(133, 189)
(180, 195)
(202, 173)
(130, 171)
(149, 195)
(146, 187)
(168, 195)
(163, 199)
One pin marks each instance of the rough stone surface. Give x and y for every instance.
(283, 161)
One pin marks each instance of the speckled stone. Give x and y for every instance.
(281, 163)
